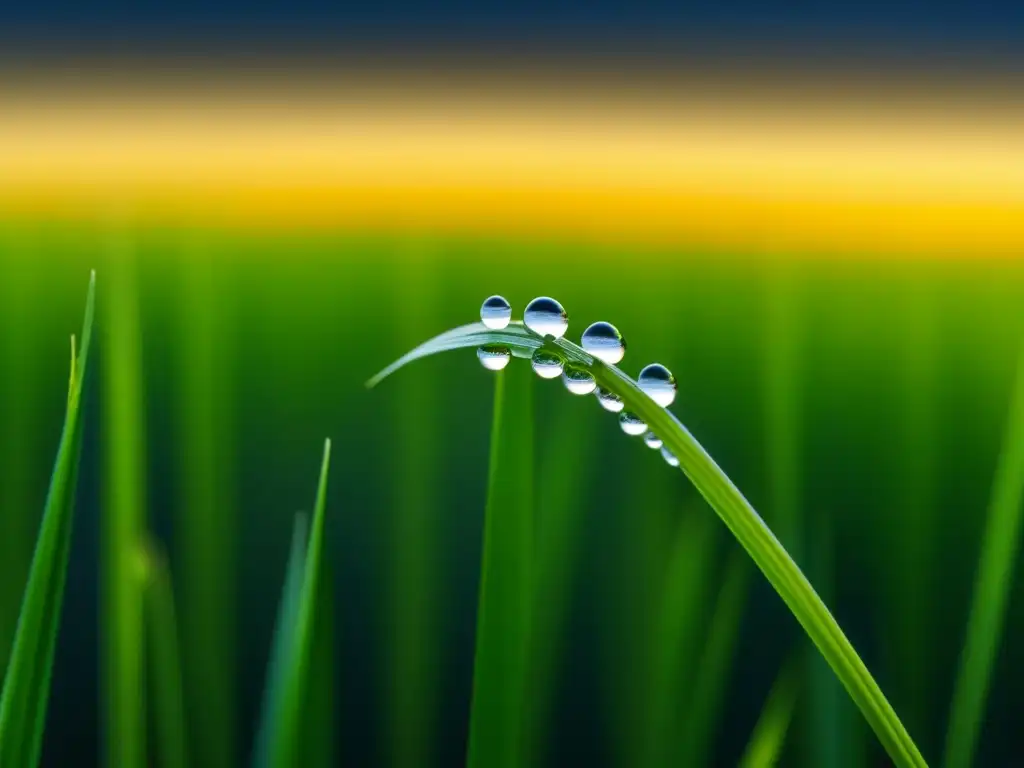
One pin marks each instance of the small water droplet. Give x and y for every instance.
(609, 400)
(578, 380)
(658, 383)
(496, 313)
(493, 357)
(651, 440)
(545, 316)
(632, 424)
(546, 364)
(603, 341)
(670, 458)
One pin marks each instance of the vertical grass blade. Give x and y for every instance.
(206, 526)
(503, 613)
(26, 691)
(992, 587)
(679, 630)
(769, 736)
(171, 747)
(696, 730)
(124, 524)
(285, 726)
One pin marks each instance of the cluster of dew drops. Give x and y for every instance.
(545, 316)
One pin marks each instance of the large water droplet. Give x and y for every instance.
(670, 458)
(495, 313)
(546, 364)
(609, 400)
(545, 316)
(651, 440)
(578, 380)
(658, 383)
(493, 357)
(603, 341)
(632, 424)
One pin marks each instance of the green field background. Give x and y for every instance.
(860, 405)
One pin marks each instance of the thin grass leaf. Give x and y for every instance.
(26, 691)
(991, 589)
(171, 747)
(280, 740)
(503, 613)
(769, 736)
(734, 510)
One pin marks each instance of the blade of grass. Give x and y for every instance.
(696, 726)
(286, 725)
(769, 736)
(734, 510)
(124, 525)
(992, 586)
(164, 660)
(26, 691)
(503, 613)
(677, 637)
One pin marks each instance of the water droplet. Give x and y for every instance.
(603, 341)
(495, 313)
(578, 380)
(670, 458)
(651, 440)
(609, 400)
(545, 316)
(546, 364)
(631, 424)
(493, 357)
(658, 383)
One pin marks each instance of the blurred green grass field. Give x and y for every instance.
(860, 405)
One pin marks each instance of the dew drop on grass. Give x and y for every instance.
(545, 316)
(578, 380)
(632, 424)
(546, 364)
(603, 341)
(670, 458)
(493, 357)
(496, 313)
(651, 440)
(658, 383)
(609, 400)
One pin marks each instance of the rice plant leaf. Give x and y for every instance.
(280, 737)
(171, 746)
(496, 726)
(765, 745)
(992, 586)
(731, 506)
(26, 690)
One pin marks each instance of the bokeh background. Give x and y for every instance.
(814, 219)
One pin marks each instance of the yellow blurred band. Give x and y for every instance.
(876, 177)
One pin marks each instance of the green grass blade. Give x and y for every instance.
(503, 614)
(123, 519)
(164, 660)
(678, 634)
(991, 588)
(26, 691)
(734, 510)
(701, 716)
(769, 736)
(285, 726)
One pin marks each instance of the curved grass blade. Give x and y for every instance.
(734, 510)
(165, 659)
(496, 719)
(769, 734)
(26, 689)
(992, 587)
(280, 738)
